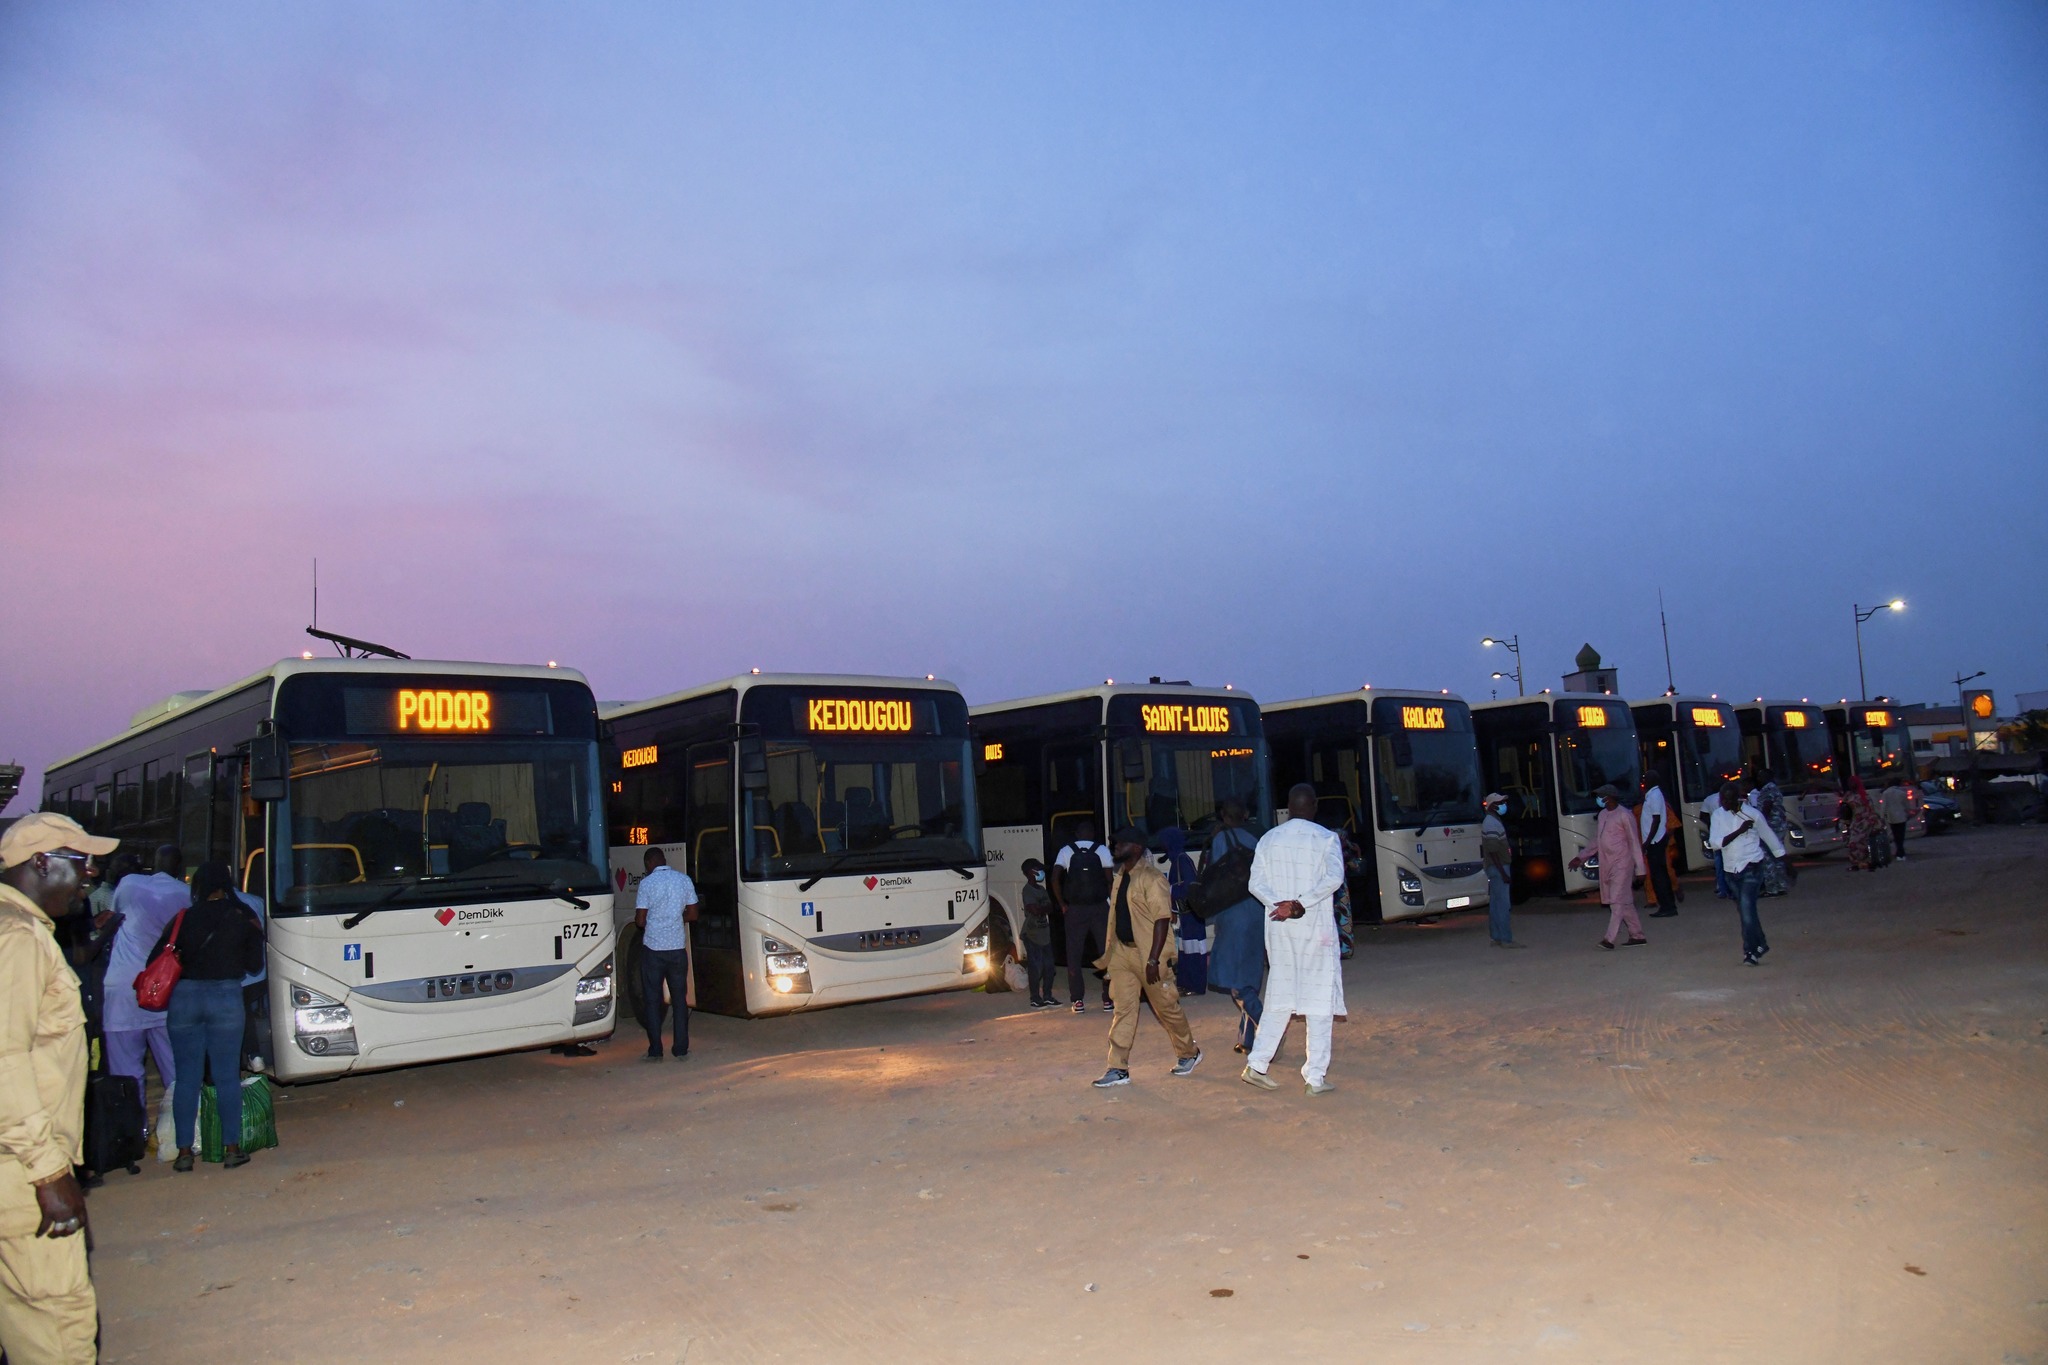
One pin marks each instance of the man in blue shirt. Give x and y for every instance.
(666, 903)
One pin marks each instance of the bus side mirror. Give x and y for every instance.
(269, 763)
(754, 769)
(1132, 756)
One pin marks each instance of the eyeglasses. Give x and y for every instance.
(82, 859)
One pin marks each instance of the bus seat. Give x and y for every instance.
(832, 824)
(799, 828)
(473, 835)
(863, 818)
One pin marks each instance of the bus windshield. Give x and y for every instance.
(1174, 759)
(1425, 764)
(1713, 754)
(860, 805)
(1806, 756)
(1880, 755)
(402, 822)
(1596, 745)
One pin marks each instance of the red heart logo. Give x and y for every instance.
(620, 878)
(871, 883)
(445, 916)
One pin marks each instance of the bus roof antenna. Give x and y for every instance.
(351, 648)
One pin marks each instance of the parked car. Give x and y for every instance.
(1941, 805)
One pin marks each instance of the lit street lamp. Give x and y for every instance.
(1896, 604)
(1513, 645)
(1969, 734)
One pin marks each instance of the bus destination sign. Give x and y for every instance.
(437, 710)
(1173, 718)
(859, 715)
(1592, 718)
(1707, 717)
(1876, 720)
(1422, 718)
(640, 757)
(1798, 720)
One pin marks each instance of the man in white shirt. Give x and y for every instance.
(1655, 817)
(1295, 874)
(146, 905)
(1722, 889)
(1739, 834)
(664, 907)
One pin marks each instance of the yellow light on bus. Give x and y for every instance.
(1795, 720)
(435, 709)
(1230, 753)
(636, 834)
(1422, 718)
(640, 757)
(1707, 717)
(991, 753)
(1877, 719)
(1166, 718)
(858, 715)
(1592, 718)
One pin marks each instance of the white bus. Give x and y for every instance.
(1162, 756)
(426, 840)
(1872, 743)
(1399, 773)
(1787, 742)
(1548, 754)
(1695, 745)
(829, 823)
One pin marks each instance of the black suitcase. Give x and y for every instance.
(114, 1124)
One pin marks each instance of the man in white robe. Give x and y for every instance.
(1296, 872)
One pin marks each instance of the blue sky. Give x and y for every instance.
(1294, 349)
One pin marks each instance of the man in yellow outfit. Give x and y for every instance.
(1139, 960)
(48, 1315)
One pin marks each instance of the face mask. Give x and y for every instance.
(1038, 876)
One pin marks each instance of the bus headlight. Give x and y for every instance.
(789, 971)
(321, 1025)
(1795, 836)
(1590, 869)
(594, 993)
(1411, 887)
(974, 953)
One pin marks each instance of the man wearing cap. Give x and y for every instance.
(47, 1309)
(1295, 874)
(1619, 844)
(1139, 960)
(1498, 857)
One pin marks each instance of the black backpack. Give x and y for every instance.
(1086, 883)
(1224, 881)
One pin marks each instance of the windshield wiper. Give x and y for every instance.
(966, 872)
(558, 888)
(389, 896)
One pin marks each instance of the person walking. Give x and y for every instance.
(1769, 802)
(1654, 817)
(48, 1313)
(218, 942)
(1859, 813)
(1034, 935)
(1618, 842)
(1081, 887)
(1722, 890)
(664, 907)
(1896, 810)
(145, 906)
(1237, 955)
(1191, 968)
(1139, 961)
(1740, 835)
(1497, 856)
(1295, 875)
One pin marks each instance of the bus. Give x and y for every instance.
(1548, 754)
(1399, 773)
(425, 840)
(1787, 742)
(1159, 757)
(830, 825)
(1696, 745)
(1873, 743)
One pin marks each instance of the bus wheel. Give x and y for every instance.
(626, 974)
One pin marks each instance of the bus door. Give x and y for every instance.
(1073, 784)
(716, 968)
(1342, 803)
(1519, 763)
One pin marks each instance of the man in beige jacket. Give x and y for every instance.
(1139, 960)
(48, 1315)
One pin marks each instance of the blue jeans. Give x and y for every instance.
(1497, 905)
(670, 967)
(1722, 888)
(1748, 883)
(1253, 1007)
(206, 1022)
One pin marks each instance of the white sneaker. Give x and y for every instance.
(1321, 1088)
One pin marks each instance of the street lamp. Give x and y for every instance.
(1896, 604)
(1513, 645)
(1969, 735)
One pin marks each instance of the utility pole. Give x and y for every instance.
(1969, 739)
(1513, 645)
(1670, 682)
(1896, 604)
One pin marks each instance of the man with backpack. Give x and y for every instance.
(1237, 956)
(1081, 885)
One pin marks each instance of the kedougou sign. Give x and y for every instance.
(859, 715)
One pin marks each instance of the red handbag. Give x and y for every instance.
(154, 983)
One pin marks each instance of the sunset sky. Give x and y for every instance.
(1290, 347)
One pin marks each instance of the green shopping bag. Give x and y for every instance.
(259, 1119)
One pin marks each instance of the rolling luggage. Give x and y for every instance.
(114, 1124)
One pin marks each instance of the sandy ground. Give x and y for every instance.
(1559, 1154)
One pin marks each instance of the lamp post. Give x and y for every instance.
(1969, 734)
(1513, 645)
(1896, 604)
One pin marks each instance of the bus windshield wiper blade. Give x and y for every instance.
(558, 889)
(389, 896)
(829, 868)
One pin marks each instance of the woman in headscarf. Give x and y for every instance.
(1619, 843)
(1859, 813)
(1777, 872)
(1191, 971)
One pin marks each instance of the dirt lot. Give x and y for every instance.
(1568, 1154)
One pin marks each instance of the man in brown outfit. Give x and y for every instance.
(1139, 960)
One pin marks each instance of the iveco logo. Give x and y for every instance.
(889, 938)
(455, 987)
